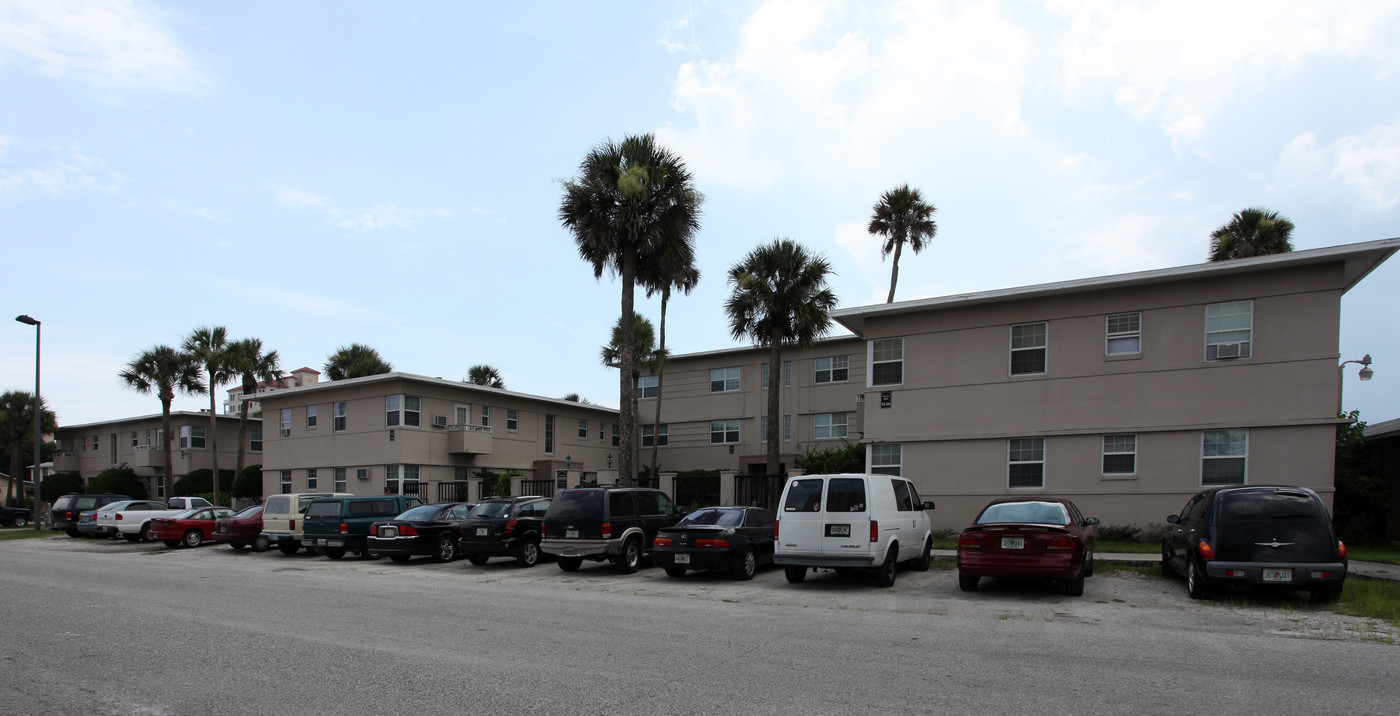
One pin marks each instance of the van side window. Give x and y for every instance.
(902, 500)
(845, 494)
(620, 504)
(361, 508)
(803, 496)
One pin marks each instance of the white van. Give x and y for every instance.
(851, 522)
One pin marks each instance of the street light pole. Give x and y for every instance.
(38, 509)
(1365, 374)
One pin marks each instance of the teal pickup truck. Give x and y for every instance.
(339, 524)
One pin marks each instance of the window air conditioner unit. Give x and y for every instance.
(362, 474)
(1227, 350)
(439, 421)
(286, 432)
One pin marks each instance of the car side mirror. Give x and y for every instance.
(928, 505)
(1091, 521)
(1173, 519)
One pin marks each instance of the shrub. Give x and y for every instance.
(827, 461)
(119, 480)
(60, 483)
(201, 483)
(1117, 533)
(495, 484)
(248, 484)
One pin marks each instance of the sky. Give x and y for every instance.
(320, 174)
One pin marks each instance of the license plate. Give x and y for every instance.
(838, 530)
(482, 532)
(1278, 575)
(570, 534)
(1013, 542)
(682, 559)
(388, 532)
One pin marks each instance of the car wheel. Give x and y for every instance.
(286, 548)
(675, 571)
(194, 538)
(1089, 564)
(529, 554)
(478, 559)
(1325, 595)
(172, 543)
(747, 566)
(1196, 586)
(367, 553)
(1167, 570)
(400, 558)
(795, 574)
(925, 558)
(884, 574)
(21, 522)
(631, 557)
(73, 533)
(1075, 587)
(570, 564)
(446, 548)
(335, 552)
(133, 537)
(145, 533)
(968, 582)
(238, 545)
(261, 543)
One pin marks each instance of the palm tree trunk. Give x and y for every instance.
(627, 390)
(242, 433)
(775, 362)
(894, 269)
(660, 368)
(165, 440)
(214, 435)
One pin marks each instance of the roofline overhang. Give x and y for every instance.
(281, 393)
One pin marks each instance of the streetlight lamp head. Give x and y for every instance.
(26, 320)
(568, 461)
(609, 461)
(1366, 373)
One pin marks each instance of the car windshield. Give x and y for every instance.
(420, 514)
(253, 511)
(576, 504)
(722, 518)
(182, 514)
(1295, 505)
(490, 509)
(1038, 513)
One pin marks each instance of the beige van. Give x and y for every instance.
(282, 518)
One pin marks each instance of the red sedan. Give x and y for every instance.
(1043, 537)
(242, 529)
(189, 528)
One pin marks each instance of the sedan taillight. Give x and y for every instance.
(1205, 550)
(712, 543)
(1060, 544)
(407, 531)
(968, 541)
(662, 542)
(119, 515)
(1341, 550)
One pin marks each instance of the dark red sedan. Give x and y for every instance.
(1041, 537)
(242, 529)
(189, 528)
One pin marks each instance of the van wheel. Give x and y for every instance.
(884, 575)
(968, 582)
(287, 548)
(194, 538)
(335, 552)
(568, 564)
(133, 537)
(1075, 587)
(1196, 586)
(261, 543)
(747, 566)
(794, 574)
(446, 548)
(631, 557)
(1167, 570)
(925, 558)
(1089, 565)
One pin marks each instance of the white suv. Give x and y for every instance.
(851, 522)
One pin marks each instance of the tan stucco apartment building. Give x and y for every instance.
(1125, 393)
(92, 448)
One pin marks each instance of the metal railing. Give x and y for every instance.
(696, 492)
(543, 488)
(760, 490)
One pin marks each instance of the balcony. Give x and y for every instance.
(66, 462)
(148, 460)
(469, 439)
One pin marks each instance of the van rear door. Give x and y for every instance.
(846, 516)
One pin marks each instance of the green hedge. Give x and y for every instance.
(59, 484)
(119, 480)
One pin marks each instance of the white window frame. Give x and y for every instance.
(512, 420)
(583, 430)
(834, 366)
(1043, 347)
(285, 482)
(255, 441)
(826, 427)
(1118, 444)
(787, 374)
(310, 417)
(878, 459)
(787, 428)
(1247, 343)
(1210, 452)
(663, 431)
(338, 478)
(728, 378)
(763, 377)
(311, 479)
(1015, 450)
(725, 429)
(285, 422)
(485, 416)
(192, 434)
(461, 414)
(1116, 330)
(647, 386)
(403, 411)
(339, 413)
(887, 346)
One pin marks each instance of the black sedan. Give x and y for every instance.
(15, 516)
(430, 530)
(734, 538)
(504, 527)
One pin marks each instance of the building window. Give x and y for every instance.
(886, 458)
(831, 370)
(286, 482)
(617, 436)
(339, 485)
(724, 380)
(787, 428)
(311, 479)
(724, 431)
(646, 386)
(512, 420)
(602, 432)
(1229, 330)
(191, 437)
(134, 438)
(310, 417)
(763, 377)
(160, 487)
(338, 418)
(148, 438)
(787, 374)
(485, 417)
(1124, 335)
(285, 422)
(1025, 462)
(402, 410)
(829, 425)
(401, 479)
(462, 415)
(1120, 454)
(549, 434)
(94, 442)
(583, 430)
(658, 434)
(763, 429)
(887, 361)
(255, 441)
(1223, 457)
(1028, 346)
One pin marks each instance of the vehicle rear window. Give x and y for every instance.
(323, 509)
(62, 503)
(723, 518)
(576, 504)
(803, 496)
(419, 514)
(620, 504)
(845, 494)
(277, 505)
(1036, 513)
(1270, 506)
(248, 512)
(85, 503)
(365, 508)
(490, 509)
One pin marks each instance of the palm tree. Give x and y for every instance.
(629, 200)
(780, 299)
(355, 361)
(210, 347)
(1252, 232)
(902, 216)
(252, 366)
(673, 268)
(483, 374)
(17, 432)
(644, 345)
(576, 398)
(163, 370)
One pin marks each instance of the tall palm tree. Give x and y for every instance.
(17, 432)
(355, 361)
(902, 216)
(780, 299)
(673, 268)
(163, 370)
(1251, 232)
(210, 347)
(251, 365)
(486, 375)
(629, 200)
(643, 337)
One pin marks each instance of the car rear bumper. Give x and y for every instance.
(580, 547)
(280, 538)
(349, 542)
(494, 548)
(693, 558)
(396, 545)
(1049, 565)
(823, 559)
(1300, 574)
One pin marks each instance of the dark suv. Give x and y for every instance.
(63, 516)
(1261, 536)
(616, 524)
(504, 527)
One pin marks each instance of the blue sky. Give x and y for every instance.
(316, 174)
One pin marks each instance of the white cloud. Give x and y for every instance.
(65, 171)
(1366, 165)
(112, 44)
(383, 215)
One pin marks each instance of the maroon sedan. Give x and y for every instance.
(1041, 537)
(242, 529)
(189, 528)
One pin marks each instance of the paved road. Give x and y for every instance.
(112, 628)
